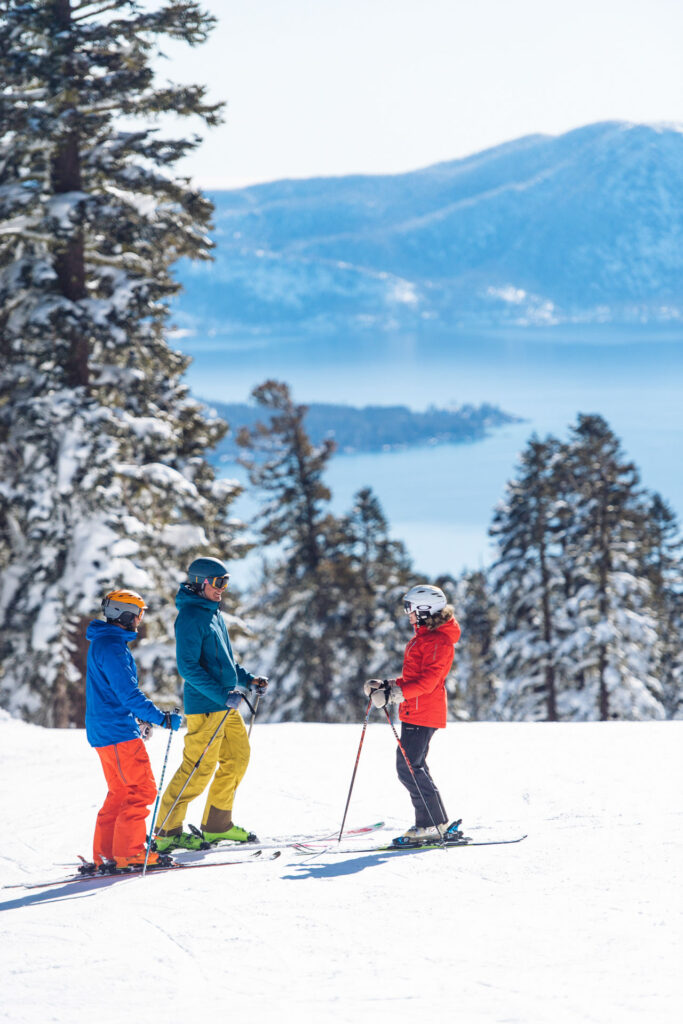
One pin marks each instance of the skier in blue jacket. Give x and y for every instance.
(113, 705)
(215, 684)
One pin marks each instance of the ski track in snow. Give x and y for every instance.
(582, 922)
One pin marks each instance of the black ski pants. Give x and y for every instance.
(415, 740)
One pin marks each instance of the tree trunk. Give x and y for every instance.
(69, 261)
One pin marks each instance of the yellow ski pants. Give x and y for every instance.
(229, 750)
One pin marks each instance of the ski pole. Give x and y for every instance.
(176, 711)
(196, 766)
(355, 768)
(253, 714)
(410, 769)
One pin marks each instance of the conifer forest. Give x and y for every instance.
(106, 472)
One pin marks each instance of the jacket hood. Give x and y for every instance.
(186, 598)
(449, 629)
(97, 628)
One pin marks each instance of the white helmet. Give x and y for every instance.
(424, 600)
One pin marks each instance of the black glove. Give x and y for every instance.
(172, 720)
(259, 684)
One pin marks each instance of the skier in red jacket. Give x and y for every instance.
(420, 692)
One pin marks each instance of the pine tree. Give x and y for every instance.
(664, 570)
(527, 581)
(610, 648)
(474, 654)
(104, 478)
(298, 611)
(380, 572)
(325, 611)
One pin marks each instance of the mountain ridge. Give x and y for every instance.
(581, 228)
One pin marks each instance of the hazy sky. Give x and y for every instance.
(326, 87)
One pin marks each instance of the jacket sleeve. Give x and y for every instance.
(243, 677)
(121, 675)
(190, 638)
(436, 664)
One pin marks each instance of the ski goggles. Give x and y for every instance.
(219, 582)
(407, 607)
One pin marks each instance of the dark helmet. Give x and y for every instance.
(207, 570)
(122, 607)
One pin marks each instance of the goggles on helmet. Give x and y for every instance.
(219, 582)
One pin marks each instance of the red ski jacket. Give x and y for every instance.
(426, 663)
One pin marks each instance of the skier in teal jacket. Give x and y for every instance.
(204, 653)
(215, 685)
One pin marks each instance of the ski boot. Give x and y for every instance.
(135, 863)
(418, 835)
(183, 841)
(234, 834)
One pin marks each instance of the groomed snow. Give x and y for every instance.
(580, 922)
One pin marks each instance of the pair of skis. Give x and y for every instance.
(254, 853)
(310, 849)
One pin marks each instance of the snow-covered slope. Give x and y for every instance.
(580, 922)
(583, 227)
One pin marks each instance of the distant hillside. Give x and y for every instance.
(586, 227)
(373, 428)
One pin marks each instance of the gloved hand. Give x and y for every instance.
(234, 699)
(172, 720)
(259, 684)
(372, 685)
(146, 730)
(389, 694)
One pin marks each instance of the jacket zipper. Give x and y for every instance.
(116, 751)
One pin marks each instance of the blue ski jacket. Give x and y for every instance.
(204, 654)
(113, 699)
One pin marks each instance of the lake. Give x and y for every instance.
(439, 500)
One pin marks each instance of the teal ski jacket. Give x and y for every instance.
(204, 654)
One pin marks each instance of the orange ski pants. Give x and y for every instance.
(120, 829)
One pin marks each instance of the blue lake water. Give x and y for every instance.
(439, 500)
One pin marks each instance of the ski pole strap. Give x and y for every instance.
(253, 714)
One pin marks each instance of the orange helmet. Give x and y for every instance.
(122, 606)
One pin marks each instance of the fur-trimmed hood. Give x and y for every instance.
(439, 618)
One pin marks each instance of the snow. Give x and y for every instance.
(580, 922)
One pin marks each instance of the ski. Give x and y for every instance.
(306, 849)
(286, 841)
(152, 869)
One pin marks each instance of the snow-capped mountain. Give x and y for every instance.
(585, 227)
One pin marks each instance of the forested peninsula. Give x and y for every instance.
(372, 428)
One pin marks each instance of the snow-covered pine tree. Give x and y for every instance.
(380, 574)
(527, 581)
(325, 613)
(664, 569)
(610, 649)
(474, 654)
(103, 476)
(295, 612)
